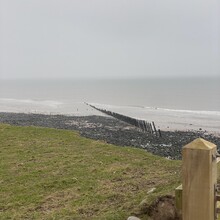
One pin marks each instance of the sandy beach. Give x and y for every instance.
(113, 131)
(171, 119)
(165, 119)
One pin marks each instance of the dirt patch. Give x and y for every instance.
(163, 208)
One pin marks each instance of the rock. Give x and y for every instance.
(133, 218)
(113, 131)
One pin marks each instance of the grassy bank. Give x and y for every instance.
(56, 174)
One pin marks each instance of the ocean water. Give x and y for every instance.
(177, 101)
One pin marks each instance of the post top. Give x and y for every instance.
(201, 144)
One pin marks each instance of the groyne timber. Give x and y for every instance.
(143, 125)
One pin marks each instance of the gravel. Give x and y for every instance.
(113, 131)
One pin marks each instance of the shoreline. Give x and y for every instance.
(171, 119)
(164, 118)
(113, 131)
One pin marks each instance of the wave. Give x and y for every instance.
(50, 103)
(197, 112)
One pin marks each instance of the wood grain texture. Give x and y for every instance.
(199, 180)
(178, 198)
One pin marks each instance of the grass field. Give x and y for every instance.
(57, 174)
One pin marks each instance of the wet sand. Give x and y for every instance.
(171, 119)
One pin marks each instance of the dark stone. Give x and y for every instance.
(113, 131)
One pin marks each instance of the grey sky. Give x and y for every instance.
(100, 38)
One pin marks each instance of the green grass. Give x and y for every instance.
(57, 174)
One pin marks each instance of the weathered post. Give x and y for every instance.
(151, 129)
(199, 180)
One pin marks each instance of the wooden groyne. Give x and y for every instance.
(144, 126)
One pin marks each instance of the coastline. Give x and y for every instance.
(171, 119)
(165, 119)
(113, 131)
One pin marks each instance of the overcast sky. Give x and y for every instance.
(109, 38)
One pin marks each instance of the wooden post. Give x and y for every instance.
(199, 180)
(179, 198)
(154, 127)
(160, 135)
(151, 129)
(147, 127)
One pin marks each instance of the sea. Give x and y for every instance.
(172, 103)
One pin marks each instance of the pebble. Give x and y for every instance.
(113, 131)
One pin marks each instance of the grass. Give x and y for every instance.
(56, 174)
